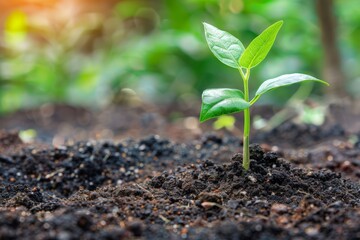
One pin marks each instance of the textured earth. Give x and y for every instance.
(303, 184)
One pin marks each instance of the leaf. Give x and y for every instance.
(260, 46)
(285, 80)
(223, 45)
(220, 101)
(224, 121)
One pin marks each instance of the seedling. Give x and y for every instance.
(231, 52)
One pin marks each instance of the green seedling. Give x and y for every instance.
(230, 51)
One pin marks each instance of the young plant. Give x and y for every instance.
(230, 51)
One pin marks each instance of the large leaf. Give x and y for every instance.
(220, 101)
(223, 45)
(260, 46)
(285, 80)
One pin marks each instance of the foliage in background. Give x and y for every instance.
(155, 48)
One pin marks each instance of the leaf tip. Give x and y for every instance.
(206, 25)
(279, 23)
(202, 118)
(323, 82)
(326, 83)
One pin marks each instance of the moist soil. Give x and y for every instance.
(303, 183)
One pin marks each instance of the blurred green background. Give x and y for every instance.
(85, 52)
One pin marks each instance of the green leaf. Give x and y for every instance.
(223, 45)
(260, 46)
(284, 80)
(220, 101)
(224, 121)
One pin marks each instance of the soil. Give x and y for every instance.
(187, 184)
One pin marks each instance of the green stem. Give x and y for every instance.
(254, 99)
(246, 151)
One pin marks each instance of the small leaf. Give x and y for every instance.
(224, 121)
(223, 45)
(220, 101)
(260, 46)
(285, 80)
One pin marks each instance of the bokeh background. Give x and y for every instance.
(86, 52)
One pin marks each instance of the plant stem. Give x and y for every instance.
(246, 151)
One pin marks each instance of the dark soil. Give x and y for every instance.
(304, 181)
(300, 135)
(156, 189)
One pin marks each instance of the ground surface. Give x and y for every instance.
(186, 183)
